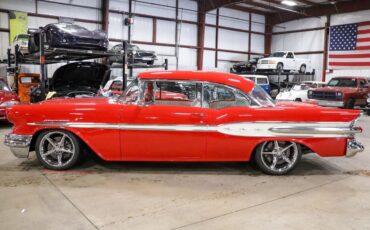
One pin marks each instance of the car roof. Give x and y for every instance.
(357, 77)
(314, 82)
(214, 77)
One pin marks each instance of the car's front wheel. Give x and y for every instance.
(278, 157)
(57, 149)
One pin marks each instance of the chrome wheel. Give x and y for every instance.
(57, 149)
(278, 157)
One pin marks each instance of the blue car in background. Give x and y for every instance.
(260, 80)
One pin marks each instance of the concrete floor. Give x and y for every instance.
(323, 193)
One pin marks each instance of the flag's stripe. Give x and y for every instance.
(363, 48)
(350, 60)
(364, 23)
(350, 52)
(348, 67)
(363, 31)
(363, 36)
(363, 44)
(360, 28)
(363, 39)
(349, 55)
(349, 63)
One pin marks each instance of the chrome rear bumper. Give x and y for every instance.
(19, 144)
(327, 103)
(353, 147)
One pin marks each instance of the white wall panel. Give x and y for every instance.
(4, 20)
(359, 16)
(188, 34)
(187, 58)
(209, 58)
(232, 40)
(224, 66)
(231, 22)
(300, 24)
(211, 17)
(210, 37)
(91, 3)
(36, 22)
(121, 5)
(166, 31)
(299, 42)
(19, 5)
(316, 63)
(187, 10)
(232, 56)
(257, 43)
(258, 23)
(68, 11)
(142, 29)
(4, 44)
(116, 27)
(150, 9)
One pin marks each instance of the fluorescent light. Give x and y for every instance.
(289, 3)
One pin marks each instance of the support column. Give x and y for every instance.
(268, 35)
(105, 15)
(250, 36)
(201, 29)
(326, 41)
(216, 45)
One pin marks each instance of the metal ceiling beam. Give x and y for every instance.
(321, 10)
(274, 7)
(246, 9)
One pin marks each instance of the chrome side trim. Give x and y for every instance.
(250, 129)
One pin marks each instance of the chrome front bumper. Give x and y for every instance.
(353, 147)
(19, 144)
(328, 103)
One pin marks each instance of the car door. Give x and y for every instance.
(290, 61)
(165, 124)
(226, 106)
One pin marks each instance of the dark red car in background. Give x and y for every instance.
(7, 98)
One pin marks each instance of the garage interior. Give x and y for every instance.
(194, 35)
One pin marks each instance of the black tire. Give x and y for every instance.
(302, 69)
(350, 104)
(279, 67)
(150, 62)
(41, 146)
(260, 158)
(298, 100)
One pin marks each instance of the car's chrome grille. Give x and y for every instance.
(264, 61)
(324, 95)
(144, 54)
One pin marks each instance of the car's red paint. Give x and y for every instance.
(6, 95)
(154, 145)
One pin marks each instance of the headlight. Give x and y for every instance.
(259, 61)
(309, 93)
(272, 62)
(339, 94)
(9, 103)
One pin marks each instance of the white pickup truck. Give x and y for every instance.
(284, 61)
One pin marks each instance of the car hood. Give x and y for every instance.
(75, 76)
(336, 89)
(78, 31)
(7, 96)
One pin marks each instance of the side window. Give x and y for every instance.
(363, 84)
(218, 97)
(116, 86)
(261, 81)
(173, 93)
(290, 55)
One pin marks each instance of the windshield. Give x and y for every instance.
(278, 54)
(133, 47)
(261, 96)
(343, 82)
(262, 81)
(131, 94)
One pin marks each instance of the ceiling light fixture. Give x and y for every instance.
(289, 3)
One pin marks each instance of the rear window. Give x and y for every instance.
(262, 81)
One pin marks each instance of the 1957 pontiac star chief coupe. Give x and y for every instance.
(210, 117)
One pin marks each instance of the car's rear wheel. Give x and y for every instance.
(278, 157)
(57, 149)
(279, 67)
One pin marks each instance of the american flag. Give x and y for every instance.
(350, 46)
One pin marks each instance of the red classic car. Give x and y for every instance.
(7, 98)
(344, 92)
(224, 117)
